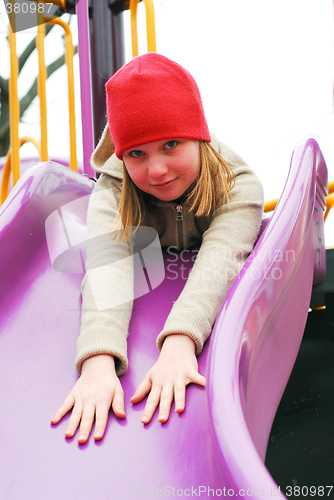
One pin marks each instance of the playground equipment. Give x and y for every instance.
(220, 440)
(218, 445)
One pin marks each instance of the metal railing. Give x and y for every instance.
(69, 53)
(12, 164)
(269, 206)
(7, 166)
(150, 26)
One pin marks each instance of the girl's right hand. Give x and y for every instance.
(96, 390)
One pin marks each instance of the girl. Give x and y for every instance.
(167, 173)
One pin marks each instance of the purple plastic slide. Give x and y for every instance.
(26, 163)
(217, 446)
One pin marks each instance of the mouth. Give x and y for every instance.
(164, 185)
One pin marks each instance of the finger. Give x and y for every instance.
(180, 397)
(102, 412)
(197, 378)
(166, 398)
(152, 403)
(65, 407)
(118, 403)
(87, 420)
(74, 419)
(142, 389)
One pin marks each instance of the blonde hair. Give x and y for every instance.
(211, 189)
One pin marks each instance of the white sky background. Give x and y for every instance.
(264, 69)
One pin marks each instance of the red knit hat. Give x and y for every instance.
(153, 98)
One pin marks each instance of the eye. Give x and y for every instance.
(136, 153)
(171, 144)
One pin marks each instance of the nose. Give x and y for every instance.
(157, 167)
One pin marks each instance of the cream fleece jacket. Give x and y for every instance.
(227, 239)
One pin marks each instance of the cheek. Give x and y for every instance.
(189, 166)
(194, 168)
(136, 174)
(137, 178)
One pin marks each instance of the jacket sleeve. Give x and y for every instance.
(225, 248)
(107, 288)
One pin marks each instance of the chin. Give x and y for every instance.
(168, 197)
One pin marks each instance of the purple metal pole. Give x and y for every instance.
(85, 85)
(107, 49)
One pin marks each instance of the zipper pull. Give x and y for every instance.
(179, 212)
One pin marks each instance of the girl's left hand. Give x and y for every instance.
(167, 379)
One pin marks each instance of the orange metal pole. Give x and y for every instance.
(8, 165)
(269, 206)
(69, 62)
(14, 103)
(150, 26)
(42, 84)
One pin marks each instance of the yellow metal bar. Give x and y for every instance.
(150, 26)
(14, 103)
(60, 3)
(69, 52)
(5, 177)
(269, 206)
(326, 212)
(134, 34)
(42, 85)
(329, 204)
(7, 168)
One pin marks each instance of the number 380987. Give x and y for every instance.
(28, 7)
(312, 491)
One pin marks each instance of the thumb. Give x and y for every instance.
(197, 378)
(142, 389)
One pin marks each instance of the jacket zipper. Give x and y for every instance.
(179, 218)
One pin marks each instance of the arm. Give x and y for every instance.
(107, 291)
(225, 248)
(107, 288)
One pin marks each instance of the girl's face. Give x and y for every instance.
(164, 169)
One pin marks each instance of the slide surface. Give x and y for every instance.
(258, 332)
(220, 440)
